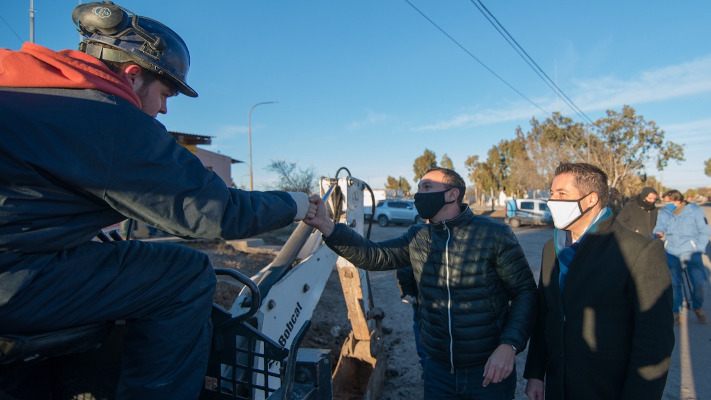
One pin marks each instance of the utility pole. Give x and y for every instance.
(81, 36)
(587, 136)
(32, 21)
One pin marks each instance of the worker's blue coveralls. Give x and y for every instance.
(74, 161)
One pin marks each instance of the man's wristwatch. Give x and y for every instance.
(515, 349)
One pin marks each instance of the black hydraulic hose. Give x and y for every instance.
(372, 202)
(336, 215)
(341, 169)
(372, 210)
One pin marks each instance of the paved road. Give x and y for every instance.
(690, 372)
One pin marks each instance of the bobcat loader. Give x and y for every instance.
(256, 347)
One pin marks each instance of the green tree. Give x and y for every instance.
(517, 166)
(624, 142)
(446, 162)
(548, 143)
(391, 183)
(424, 163)
(481, 175)
(621, 144)
(502, 169)
(472, 164)
(404, 185)
(707, 167)
(293, 179)
(397, 184)
(497, 166)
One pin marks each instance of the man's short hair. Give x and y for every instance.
(452, 180)
(588, 179)
(673, 195)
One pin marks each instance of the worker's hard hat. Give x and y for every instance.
(130, 37)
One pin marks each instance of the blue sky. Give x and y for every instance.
(368, 85)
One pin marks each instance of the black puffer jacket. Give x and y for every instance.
(468, 269)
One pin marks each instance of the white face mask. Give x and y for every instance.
(566, 212)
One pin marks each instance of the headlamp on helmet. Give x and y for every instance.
(113, 33)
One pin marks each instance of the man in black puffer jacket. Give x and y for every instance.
(477, 294)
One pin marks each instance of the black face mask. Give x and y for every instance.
(429, 204)
(648, 206)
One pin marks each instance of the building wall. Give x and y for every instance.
(218, 163)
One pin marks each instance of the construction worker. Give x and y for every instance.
(81, 150)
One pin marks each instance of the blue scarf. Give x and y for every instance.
(565, 248)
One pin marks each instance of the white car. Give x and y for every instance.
(396, 211)
(527, 212)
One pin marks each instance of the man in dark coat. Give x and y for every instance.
(604, 328)
(640, 215)
(476, 293)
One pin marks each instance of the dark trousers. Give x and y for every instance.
(164, 290)
(464, 383)
(416, 331)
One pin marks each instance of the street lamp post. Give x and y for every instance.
(249, 134)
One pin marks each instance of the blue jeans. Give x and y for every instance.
(165, 290)
(416, 331)
(465, 383)
(697, 278)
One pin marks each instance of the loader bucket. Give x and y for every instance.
(360, 370)
(358, 375)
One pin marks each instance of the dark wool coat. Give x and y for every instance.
(476, 290)
(611, 334)
(634, 217)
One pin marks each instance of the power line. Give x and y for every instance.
(13, 31)
(475, 58)
(528, 59)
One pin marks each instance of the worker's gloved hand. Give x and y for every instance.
(409, 299)
(302, 204)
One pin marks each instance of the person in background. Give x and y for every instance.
(604, 326)
(476, 291)
(616, 201)
(685, 230)
(81, 150)
(640, 215)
